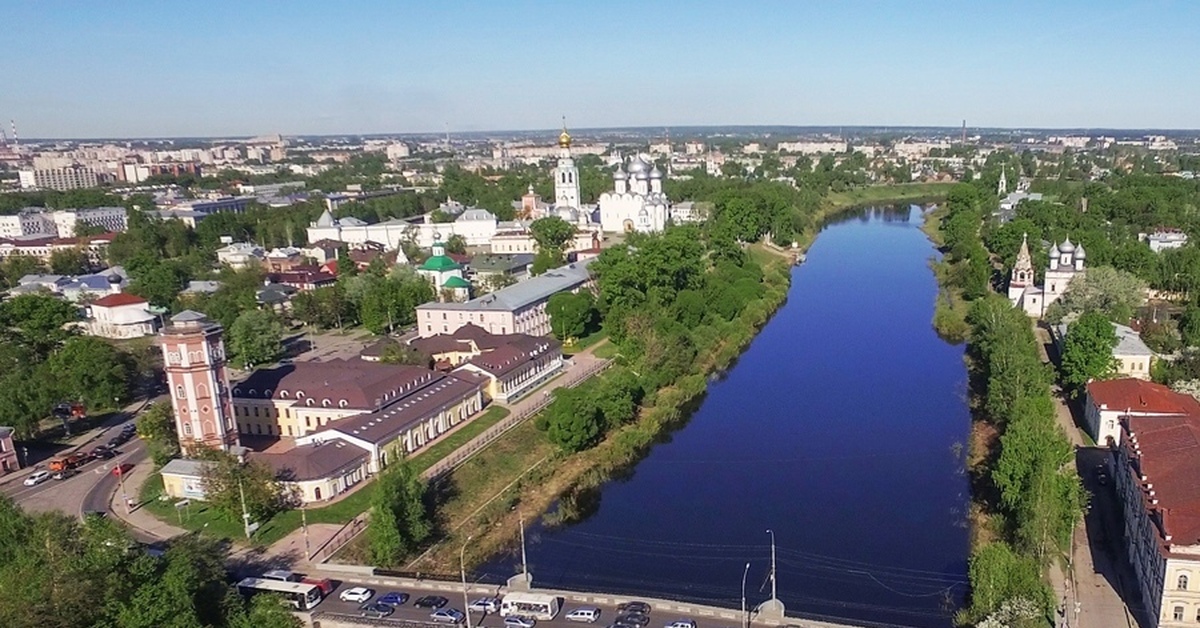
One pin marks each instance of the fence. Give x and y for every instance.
(462, 454)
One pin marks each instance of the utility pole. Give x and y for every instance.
(524, 563)
(772, 533)
(245, 514)
(304, 524)
(745, 617)
(462, 567)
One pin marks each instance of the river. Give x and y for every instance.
(841, 428)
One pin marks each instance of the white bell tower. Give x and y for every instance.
(566, 175)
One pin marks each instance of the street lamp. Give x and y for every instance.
(745, 617)
(772, 533)
(462, 568)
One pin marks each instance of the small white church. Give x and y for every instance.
(1066, 263)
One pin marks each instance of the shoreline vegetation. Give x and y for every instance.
(522, 477)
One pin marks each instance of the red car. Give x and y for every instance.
(121, 469)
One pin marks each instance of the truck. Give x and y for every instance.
(68, 462)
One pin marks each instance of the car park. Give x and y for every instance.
(431, 601)
(447, 615)
(356, 594)
(587, 614)
(377, 610)
(393, 598)
(634, 607)
(485, 605)
(681, 623)
(516, 621)
(37, 477)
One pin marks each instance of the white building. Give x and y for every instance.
(476, 226)
(1167, 239)
(1066, 263)
(637, 202)
(812, 148)
(1107, 401)
(121, 315)
(68, 178)
(239, 255)
(110, 219)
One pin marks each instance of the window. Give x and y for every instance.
(187, 428)
(255, 410)
(180, 393)
(1182, 583)
(1178, 613)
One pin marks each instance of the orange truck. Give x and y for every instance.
(63, 463)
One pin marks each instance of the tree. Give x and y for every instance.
(91, 371)
(573, 421)
(1115, 293)
(1189, 326)
(997, 575)
(256, 337)
(551, 234)
(19, 265)
(1087, 350)
(156, 426)
(39, 321)
(68, 262)
(227, 482)
(399, 520)
(397, 353)
(456, 244)
(572, 314)
(159, 283)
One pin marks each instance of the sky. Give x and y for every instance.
(78, 68)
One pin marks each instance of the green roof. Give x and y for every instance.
(456, 282)
(440, 263)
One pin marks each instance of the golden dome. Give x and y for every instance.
(564, 139)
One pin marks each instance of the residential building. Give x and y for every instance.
(303, 278)
(518, 364)
(284, 259)
(515, 266)
(119, 316)
(1160, 241)
(1155, 473)
(812, 147)
(9, 461)
(1133, 357)
(194, 361)
(109, 219)
(67, 178)
(1109, 400)
(240, 255)
(95, 248)
(517, 309)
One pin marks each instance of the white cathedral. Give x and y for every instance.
(1066, 263)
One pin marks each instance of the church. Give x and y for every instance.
(1066, 263)
(637, 202)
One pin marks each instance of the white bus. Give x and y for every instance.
(536, 605)
(299, 595)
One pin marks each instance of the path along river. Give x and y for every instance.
(841, 429)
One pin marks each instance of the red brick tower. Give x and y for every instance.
(194, 359)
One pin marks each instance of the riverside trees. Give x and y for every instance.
(399, 520)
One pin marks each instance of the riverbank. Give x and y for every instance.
(522, 476)
(916, 193)
(950, 310)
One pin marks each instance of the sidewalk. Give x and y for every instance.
(138, 518)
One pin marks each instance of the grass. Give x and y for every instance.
(888, 193)
(606, 351)
(202, 518)
(583, 343)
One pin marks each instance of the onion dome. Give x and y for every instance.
(637, 166)
(1066, 246)
(620, 174)
(655, 173)
(1080, 253)
(564, 139)
(114, 279)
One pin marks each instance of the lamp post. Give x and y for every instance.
(462, 569)
(772, 533)
(745, 617)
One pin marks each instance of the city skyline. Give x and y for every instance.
(135, 69)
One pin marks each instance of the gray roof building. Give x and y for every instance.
(524, 294)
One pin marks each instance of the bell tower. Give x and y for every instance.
(566, 175)
(194, 360)
(1022, 272)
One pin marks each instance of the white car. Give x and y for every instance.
(485, 605)
(516, 621)
(587, 614)
(37, 477)
(356, 594)
(682, 623)
(447, 615)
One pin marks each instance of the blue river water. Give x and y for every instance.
(841, 428)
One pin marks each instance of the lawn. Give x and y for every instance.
(200, 517)
(606, 351)
(581, 344)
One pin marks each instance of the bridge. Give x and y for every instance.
(334, 613)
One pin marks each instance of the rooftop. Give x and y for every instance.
(384, 424)
(119, 299)
(523, 294)
(345, 384)
(1140, 396)
(311, 462)
(1168, 450)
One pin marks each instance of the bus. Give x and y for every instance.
(536, 605)
(299, 595)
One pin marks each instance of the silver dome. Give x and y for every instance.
(638, 166)
(1066, 246)
(620, 174)
(656, 173)
(1080, 253)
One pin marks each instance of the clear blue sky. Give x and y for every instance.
(214, 67)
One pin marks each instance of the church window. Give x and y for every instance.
(324, 403)
(201, 390)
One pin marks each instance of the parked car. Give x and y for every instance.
(64, 474)
(356, 594)
(122, 469)
(485, 605)
(37, 477)
(431, 601)
(681, 623)
(447, 615)
(393, 598)
(586, 614)
(634, 607)
(376, 609)
(516, 621)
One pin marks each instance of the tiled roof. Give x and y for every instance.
(512, 355)
(362, 385)
(311, 462)
(1139, 396)
(383, 425)
(1169, 451)
(118, 299)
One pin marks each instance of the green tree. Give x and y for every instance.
(573, 421)
(68, 262)
(256, 337)
(159, 283)
(91, 371)
(1115, 293)
(456, 244)
(227, 482)
(551, 234)
(998, 574)
(19, 265)
(572, 314)
(399, 520)
(1087, 351)
(38, 321)
(1189, 326)
(156, 426)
